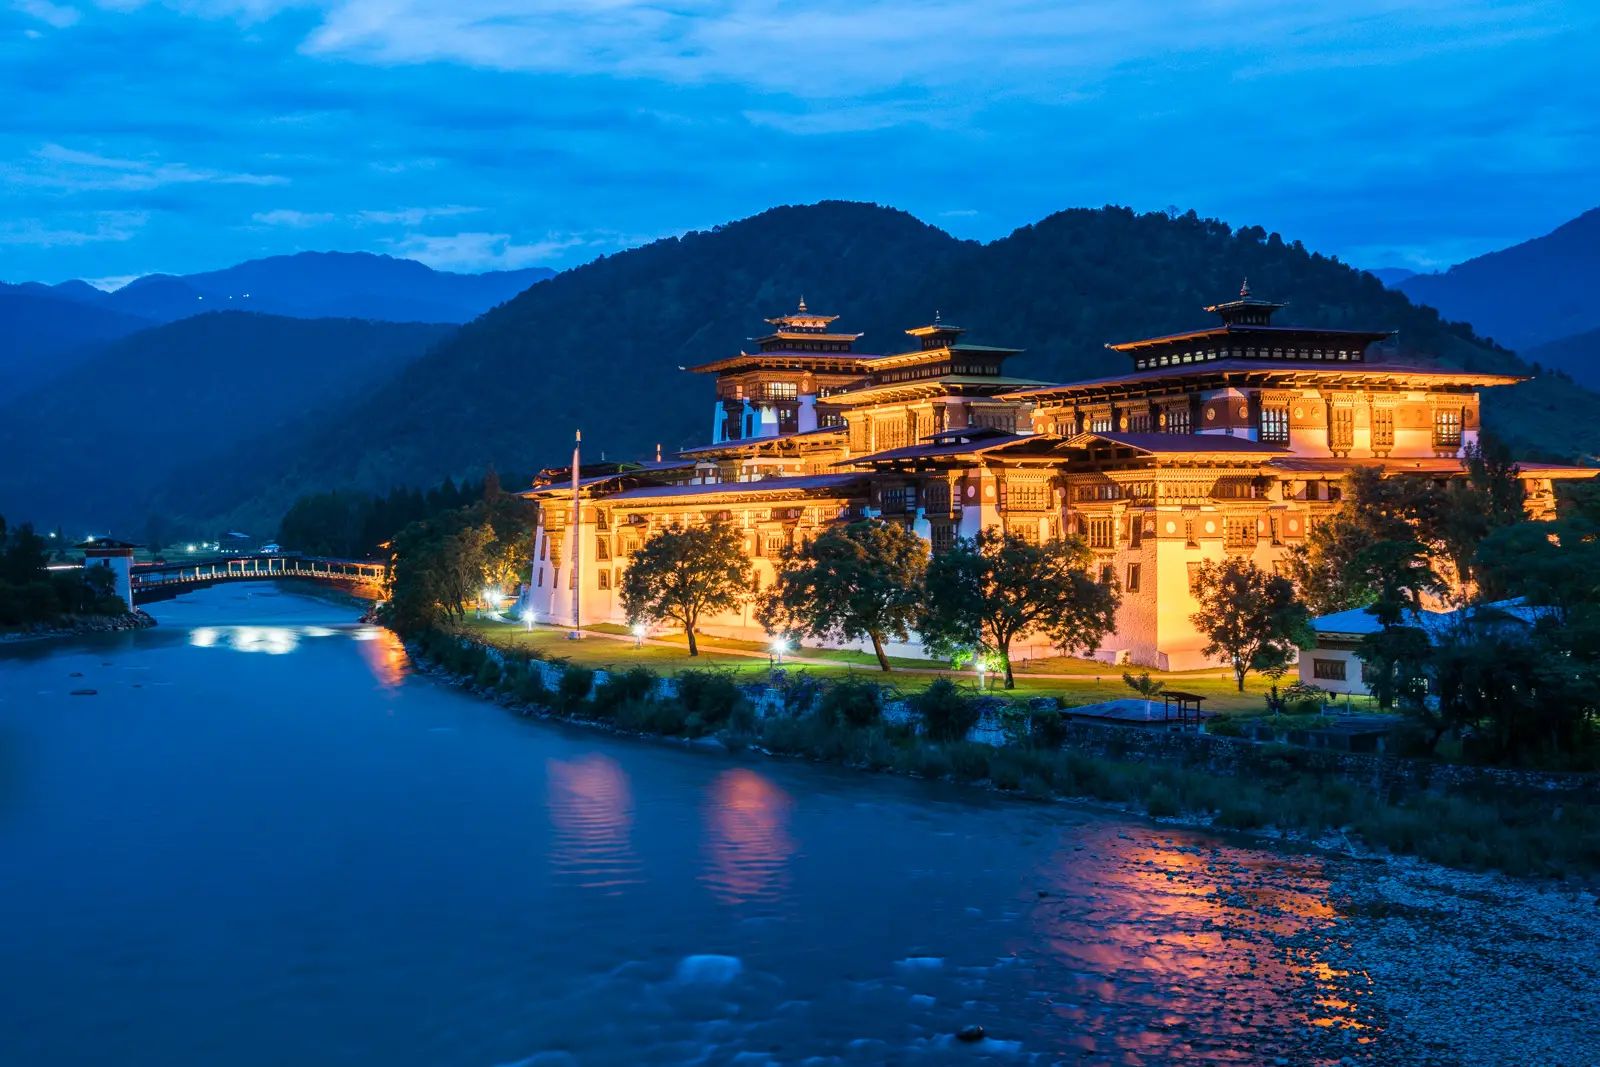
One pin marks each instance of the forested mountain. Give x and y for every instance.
(1578, 356)
(1526, 295)
(88, 448)
(45, 332)
(599, 347)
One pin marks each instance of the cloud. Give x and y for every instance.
(296, 219)
(55, 166)
(481, 251)
(55, 15)
(413, 216)
(103, 226)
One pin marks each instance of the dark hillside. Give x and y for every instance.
(598, 347)
(87, 448)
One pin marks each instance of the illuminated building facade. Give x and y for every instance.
(1227, 441)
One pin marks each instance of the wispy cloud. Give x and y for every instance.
(299, 220)
(413, 216)
(482, 251)
(58, 15)
(59, 167)
(92, 229)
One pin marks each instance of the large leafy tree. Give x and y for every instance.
(438, 568)
(1396, 655)
(861, 580)
(988, 590)
(1249, 616)
(683, 573)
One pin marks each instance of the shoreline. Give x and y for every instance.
(137, 619)
(1439, 966)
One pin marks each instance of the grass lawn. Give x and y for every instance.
(1099, 681)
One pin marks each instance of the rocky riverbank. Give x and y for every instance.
(1468, 968)
(83, 624)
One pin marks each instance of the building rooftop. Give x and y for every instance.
(807, 484)
(1240, 371)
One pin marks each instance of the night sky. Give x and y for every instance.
(478, 134)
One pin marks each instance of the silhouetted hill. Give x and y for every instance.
(44, 333)
(1392, 276)
(308, 285)
(89, 447)
(599, 346)
(1578, 356)
(1526, 295)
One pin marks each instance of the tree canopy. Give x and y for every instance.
(988, 590)
(861, 580)
(1249, 616)
(682, 573)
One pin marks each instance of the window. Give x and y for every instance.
(605, 578)
(602, 547)
(1108, 574)
(1188, 534)
(1239, 533)
(936, 496)
(1102, 532)
(780, 390)
(1330, 669)
(774, 545)
(602, 520)
(541, 577)
(1447, 427)
(544, 543)
(1028, 496)
(1275, 425)
(1139, 423)
(1132, 584)
(1341, 427)
(1194, 579)
(942, 535)
(897, 497)
(1135, 530)
(1100, 423)
(1383, 427)
(1177, 420)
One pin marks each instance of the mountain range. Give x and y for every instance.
(258, 409)
(46, 329)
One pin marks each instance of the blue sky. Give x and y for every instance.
(142, 135)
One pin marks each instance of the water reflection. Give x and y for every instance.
(748, 846)
(272, 640)
(591, 812)
(1218, 946)
(384, 656)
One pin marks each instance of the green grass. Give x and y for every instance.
(1098, 680)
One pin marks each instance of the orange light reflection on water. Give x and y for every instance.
(748, 846)
(591, 814)
(385, 656)
(1217, 946)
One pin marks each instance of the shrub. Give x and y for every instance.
(947, 712)
(1006, 769)
(488, 675)
(1161, 801)
(530, 687)
(710, 694)
(853, 702)
(665, 717)
(1240, 815)
(968, 759)
(634, 685)
(1225, 728)
(1047, 728)
(573, 689)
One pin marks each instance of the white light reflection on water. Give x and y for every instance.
(748, 845)
(272, 640)
(591, 812)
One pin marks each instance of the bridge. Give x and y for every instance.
(159, 581)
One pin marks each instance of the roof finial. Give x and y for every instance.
(802, 303)
(936, 316)
(1244, 290)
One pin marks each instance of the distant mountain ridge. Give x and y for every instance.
(1526, 295)
(315, 285)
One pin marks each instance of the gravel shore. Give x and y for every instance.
(1465, 968)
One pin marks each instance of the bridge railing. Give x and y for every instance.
(157, 575)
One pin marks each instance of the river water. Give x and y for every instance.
(263, 841)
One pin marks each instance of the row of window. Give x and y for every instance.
(1199, 356)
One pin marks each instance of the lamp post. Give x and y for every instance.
(638, 635)
(779, 647)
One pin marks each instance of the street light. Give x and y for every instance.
(779, 647)
(527, 617)
(638, 635)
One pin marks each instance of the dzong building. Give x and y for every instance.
(1225, 441)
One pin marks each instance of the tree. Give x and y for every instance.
(1248, 615)
(1373, 508)
(1144, 685)
(859, 580)
(1469, 509)
(682, 573)
(987, 590)
(439, 566)
(1396, 655)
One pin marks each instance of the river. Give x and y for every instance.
(264, 840)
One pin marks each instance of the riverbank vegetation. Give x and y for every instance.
(1274, 788)
(33, 595)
